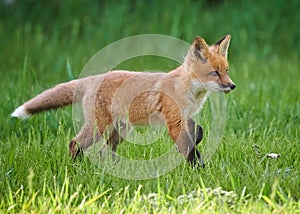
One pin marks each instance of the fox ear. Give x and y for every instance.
(200, 49)
(221, 46)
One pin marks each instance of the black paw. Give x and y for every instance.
(195, 159)
(75, 150)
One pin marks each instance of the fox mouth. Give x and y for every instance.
(212, 86)
(225, 90)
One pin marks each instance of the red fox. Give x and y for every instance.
(110, 100)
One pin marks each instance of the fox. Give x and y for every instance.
(119, 97)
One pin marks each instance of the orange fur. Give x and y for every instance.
(113, 99)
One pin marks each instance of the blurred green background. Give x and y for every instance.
(79, 28)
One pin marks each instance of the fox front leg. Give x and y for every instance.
(186, 136)
(196, 133)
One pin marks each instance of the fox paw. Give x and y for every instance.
(195, 159)
(74, 149)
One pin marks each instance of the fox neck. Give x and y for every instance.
(196, 92)
(188, 79)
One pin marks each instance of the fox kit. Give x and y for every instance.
(112, 99)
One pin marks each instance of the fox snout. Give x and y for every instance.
(232, 86)
(228, 87)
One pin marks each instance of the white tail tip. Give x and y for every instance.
(21, 113)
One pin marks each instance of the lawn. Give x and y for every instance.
(45, 43)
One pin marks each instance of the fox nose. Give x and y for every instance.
(232, 86)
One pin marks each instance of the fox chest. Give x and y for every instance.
(195, 101)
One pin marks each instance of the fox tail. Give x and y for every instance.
(58, 96)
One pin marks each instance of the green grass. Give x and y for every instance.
(36, 173)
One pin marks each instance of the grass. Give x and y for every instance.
(36, 173)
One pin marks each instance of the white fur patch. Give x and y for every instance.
(212, 86)
(197, 86)
(196, 98)
(21, 113)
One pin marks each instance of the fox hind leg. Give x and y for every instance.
(116, 137)
(85, 138)
(112, 142)
(75, 150)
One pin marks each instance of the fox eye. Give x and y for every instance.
(215, 73)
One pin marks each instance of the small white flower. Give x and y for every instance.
(273, 155)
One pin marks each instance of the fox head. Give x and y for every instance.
(208, 65)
